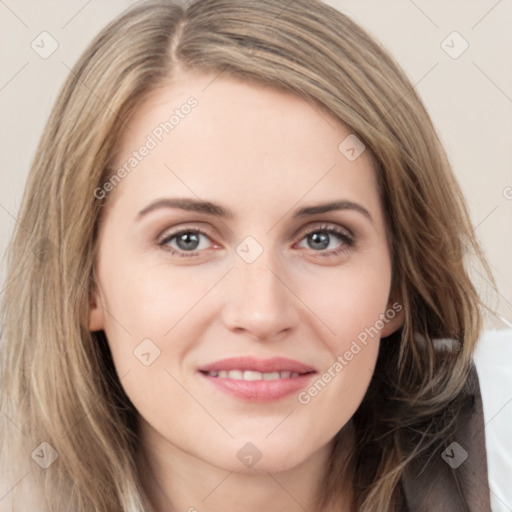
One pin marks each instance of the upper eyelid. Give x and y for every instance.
(170, 234)
(326, 226)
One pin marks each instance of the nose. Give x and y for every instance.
(260, 300)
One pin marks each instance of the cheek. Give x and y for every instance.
(349, 302)
(150, 301)
(351, 305)
(145, 313)
(151, 319)
(352, 308)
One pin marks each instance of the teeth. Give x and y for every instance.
(252, 375)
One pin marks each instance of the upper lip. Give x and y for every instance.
(275, 364)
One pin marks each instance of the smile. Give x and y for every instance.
(255, 380)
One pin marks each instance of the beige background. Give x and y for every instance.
(469, 98)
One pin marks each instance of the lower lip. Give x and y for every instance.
(260, 390)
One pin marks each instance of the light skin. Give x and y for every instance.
(262, 154)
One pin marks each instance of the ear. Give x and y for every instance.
(394, 317)
(96, 311)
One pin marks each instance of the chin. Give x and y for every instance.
(266, 455)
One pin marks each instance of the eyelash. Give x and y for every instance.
(348, 241)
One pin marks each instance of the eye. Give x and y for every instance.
(187, 242)
(321, 237)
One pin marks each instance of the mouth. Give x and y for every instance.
(257, 380)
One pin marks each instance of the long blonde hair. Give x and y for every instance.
(58, 383)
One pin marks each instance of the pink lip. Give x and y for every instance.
(259, 390)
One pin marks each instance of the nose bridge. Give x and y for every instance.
(260, 302)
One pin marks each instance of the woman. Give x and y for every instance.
(257, 369)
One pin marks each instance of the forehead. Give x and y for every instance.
(215, 136)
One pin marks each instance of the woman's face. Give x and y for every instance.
(245, 324)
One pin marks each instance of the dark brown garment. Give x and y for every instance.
(451, 482)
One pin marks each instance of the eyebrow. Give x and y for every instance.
(217, 210)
